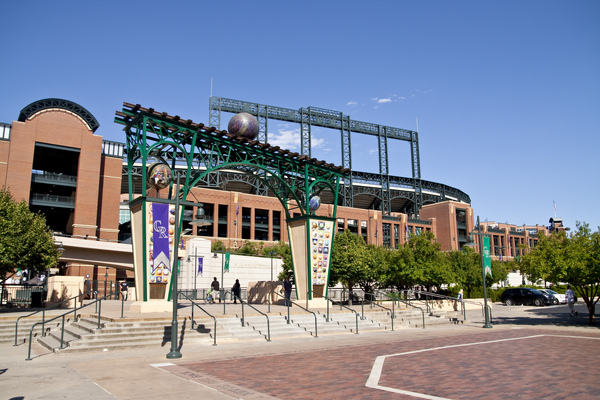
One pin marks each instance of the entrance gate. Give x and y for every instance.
(193, 152)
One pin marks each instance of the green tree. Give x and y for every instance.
(499, 272)
(371, 278)
(348, 260)
(429, 266)
(396, 271)
(574, 260)
(466, 265)
(26, 242)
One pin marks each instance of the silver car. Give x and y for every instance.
(562, 299)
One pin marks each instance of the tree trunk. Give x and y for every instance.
(592, 309)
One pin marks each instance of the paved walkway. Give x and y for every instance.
(529, 353)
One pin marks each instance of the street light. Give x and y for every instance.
(221, 287)
(195, 271)
(481, 235)
(105, 280)
(271, 253)
(200, 217)
(175, 353)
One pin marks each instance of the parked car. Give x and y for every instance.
(526, 296)
(561, 298)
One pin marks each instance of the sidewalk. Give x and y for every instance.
(148, 374)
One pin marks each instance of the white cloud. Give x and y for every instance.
(352, 103)
(286, 139)
(394, 97)
(317, 142)
(289, 139)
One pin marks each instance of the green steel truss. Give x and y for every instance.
(200, 151)
(320, 117)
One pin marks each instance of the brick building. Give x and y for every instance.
(52, 158)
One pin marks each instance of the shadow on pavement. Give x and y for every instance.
(549, 316)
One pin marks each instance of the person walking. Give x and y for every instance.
(570, 295)
(124, 292)
(459, 301)
(215, 288)
(237, 291)
(287, 288)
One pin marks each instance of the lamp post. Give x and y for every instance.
(174, 353)
(222, 269)
(271, 253)
(105, 280)
(480, 236)
(199, 220)
(272, 283)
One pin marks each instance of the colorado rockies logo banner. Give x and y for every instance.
(160, 240)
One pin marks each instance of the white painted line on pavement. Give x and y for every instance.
(374, 377)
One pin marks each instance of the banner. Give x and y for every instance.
(200, 265)
(487, 259)
(160, 248)
(227, 256)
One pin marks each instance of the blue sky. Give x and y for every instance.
(506, 93)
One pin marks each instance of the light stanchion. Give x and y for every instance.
(483, 272)
(175, 353)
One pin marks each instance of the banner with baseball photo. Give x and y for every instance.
(311, 240)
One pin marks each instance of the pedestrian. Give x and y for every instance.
(124, 292)
(237, 291)
(215, 287)
(570, 295)
(287, 288)
(459, 300)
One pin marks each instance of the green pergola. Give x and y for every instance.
(197, 151)
(194, 151)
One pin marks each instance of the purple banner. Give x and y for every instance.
(160, 237)
(200, 262)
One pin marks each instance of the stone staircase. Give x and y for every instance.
(83, 335)
(7, 328)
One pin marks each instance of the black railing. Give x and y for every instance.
(289, 303)
(194, 304)
(97, 303)
(328, 300)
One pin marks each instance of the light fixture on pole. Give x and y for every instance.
(237, 211)
(272, 283)
(222, 269)
(59, 247)
(200, 218)
(175, 353)
(195, 272)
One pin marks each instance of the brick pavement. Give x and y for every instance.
(499, 364)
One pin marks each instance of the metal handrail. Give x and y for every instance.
(350, 294)
(297, 305)
(397, 298)
(206, 312)
(260, 312)
(62, 334)
(392, 311)
(441, 296)
(43, 311)
(490, 312)
(341, 305)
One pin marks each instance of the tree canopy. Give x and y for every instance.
(573, 259)
(26, 242)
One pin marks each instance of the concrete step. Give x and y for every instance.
(7, 328)
(115, 334)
